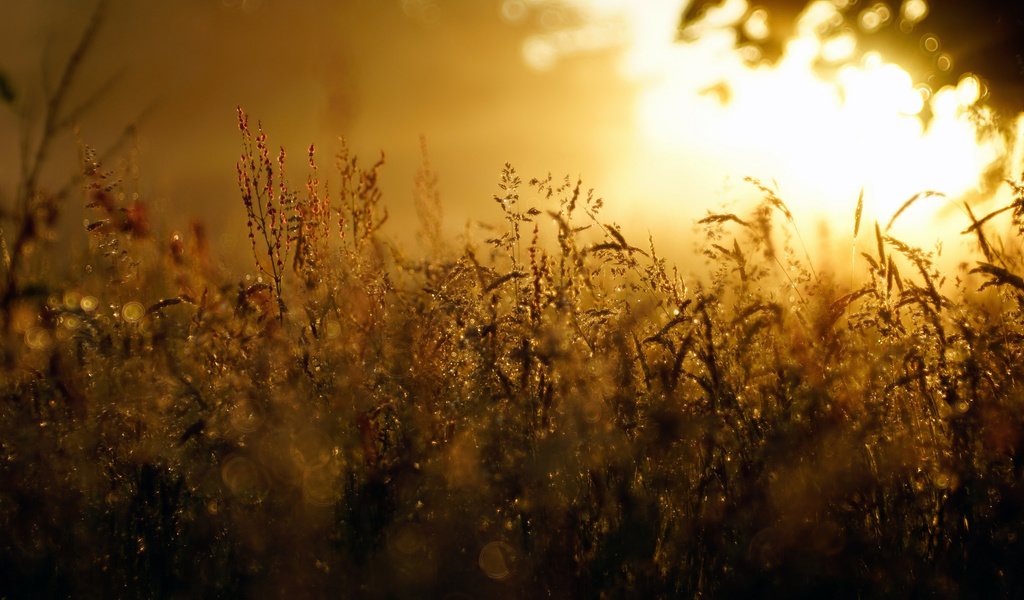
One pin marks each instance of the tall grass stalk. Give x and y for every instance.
(551, 411)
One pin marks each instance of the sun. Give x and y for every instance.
(825, 124)
(824, 134)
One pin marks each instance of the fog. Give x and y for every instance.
(587, 89)
(379, 73)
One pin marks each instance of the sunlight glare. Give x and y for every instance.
(756, 25)
(914, 10)
(822, 134)
(839, 48)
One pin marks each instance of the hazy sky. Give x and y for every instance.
(379, 72)
(622, 108)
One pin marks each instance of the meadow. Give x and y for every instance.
(550, 409)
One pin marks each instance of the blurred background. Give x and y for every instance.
(662, 106)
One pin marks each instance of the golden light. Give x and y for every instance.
(822, 135)
(840, 47)
(874, 17)
(756, 25)
(914, 11)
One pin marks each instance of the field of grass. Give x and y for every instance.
(551, 411)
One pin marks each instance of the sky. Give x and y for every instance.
(381, 73)
(592, 88)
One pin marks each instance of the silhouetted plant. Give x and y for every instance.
(552, 410)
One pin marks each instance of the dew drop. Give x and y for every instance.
(242, 477)
(332, 329)
(496, 559)
(71, 322)
(944, 62)
(38, 338)
(133, 311)
(72, 299)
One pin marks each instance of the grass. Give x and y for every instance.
(550, 411)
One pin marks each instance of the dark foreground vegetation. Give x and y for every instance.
(550, 412)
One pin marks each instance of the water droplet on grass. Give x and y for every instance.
(70, 322)
(89, 303)
(243, 477)
(133, 311)
(72, 299)
(38, 338)
(496, 560)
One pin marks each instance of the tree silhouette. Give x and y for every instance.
(984, 37)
